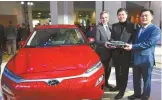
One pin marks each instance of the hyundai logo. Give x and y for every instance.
(53, 82)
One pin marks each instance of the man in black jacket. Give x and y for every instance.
(1, 43)
(122, 31)
(23, 32)
(103, 35)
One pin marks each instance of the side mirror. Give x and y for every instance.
(21, 43)
(91, 40)
(92, 43)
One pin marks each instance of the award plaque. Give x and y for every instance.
(117, 44)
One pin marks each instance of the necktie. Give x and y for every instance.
(141, 31)
(107, 32)
(106, 28)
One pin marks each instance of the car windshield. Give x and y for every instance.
(55, 37)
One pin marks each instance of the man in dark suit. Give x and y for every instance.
(103, 35)
(121, 31)
(143, 49)
(1, 43)
(23, 32)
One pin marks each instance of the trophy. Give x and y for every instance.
(117, 44)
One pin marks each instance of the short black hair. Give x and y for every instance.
(122, 9)
(151, 12)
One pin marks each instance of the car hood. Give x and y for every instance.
(53, 59)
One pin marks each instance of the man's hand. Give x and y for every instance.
(128, 47)
(109, 46)
(106, 45)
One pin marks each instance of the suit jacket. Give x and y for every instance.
(23, 32)
(126, 36)
(144, 46)
(101, 38)
(11, 32)
(2, 37)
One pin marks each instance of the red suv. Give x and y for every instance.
(54, 63)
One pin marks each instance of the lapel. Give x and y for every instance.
(125, 36)
(103, 31)
(137, 35)
(144, 34)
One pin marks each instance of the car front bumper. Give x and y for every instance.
(71, 89)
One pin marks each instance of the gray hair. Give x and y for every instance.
(103, 12)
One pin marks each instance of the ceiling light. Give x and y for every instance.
(39, 13)
(28, 3)
(31, 3)
(22, 2)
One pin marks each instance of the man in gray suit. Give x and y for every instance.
(103, 35)
(11, 35)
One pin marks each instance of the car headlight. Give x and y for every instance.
(94, 68)
(12, 76)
